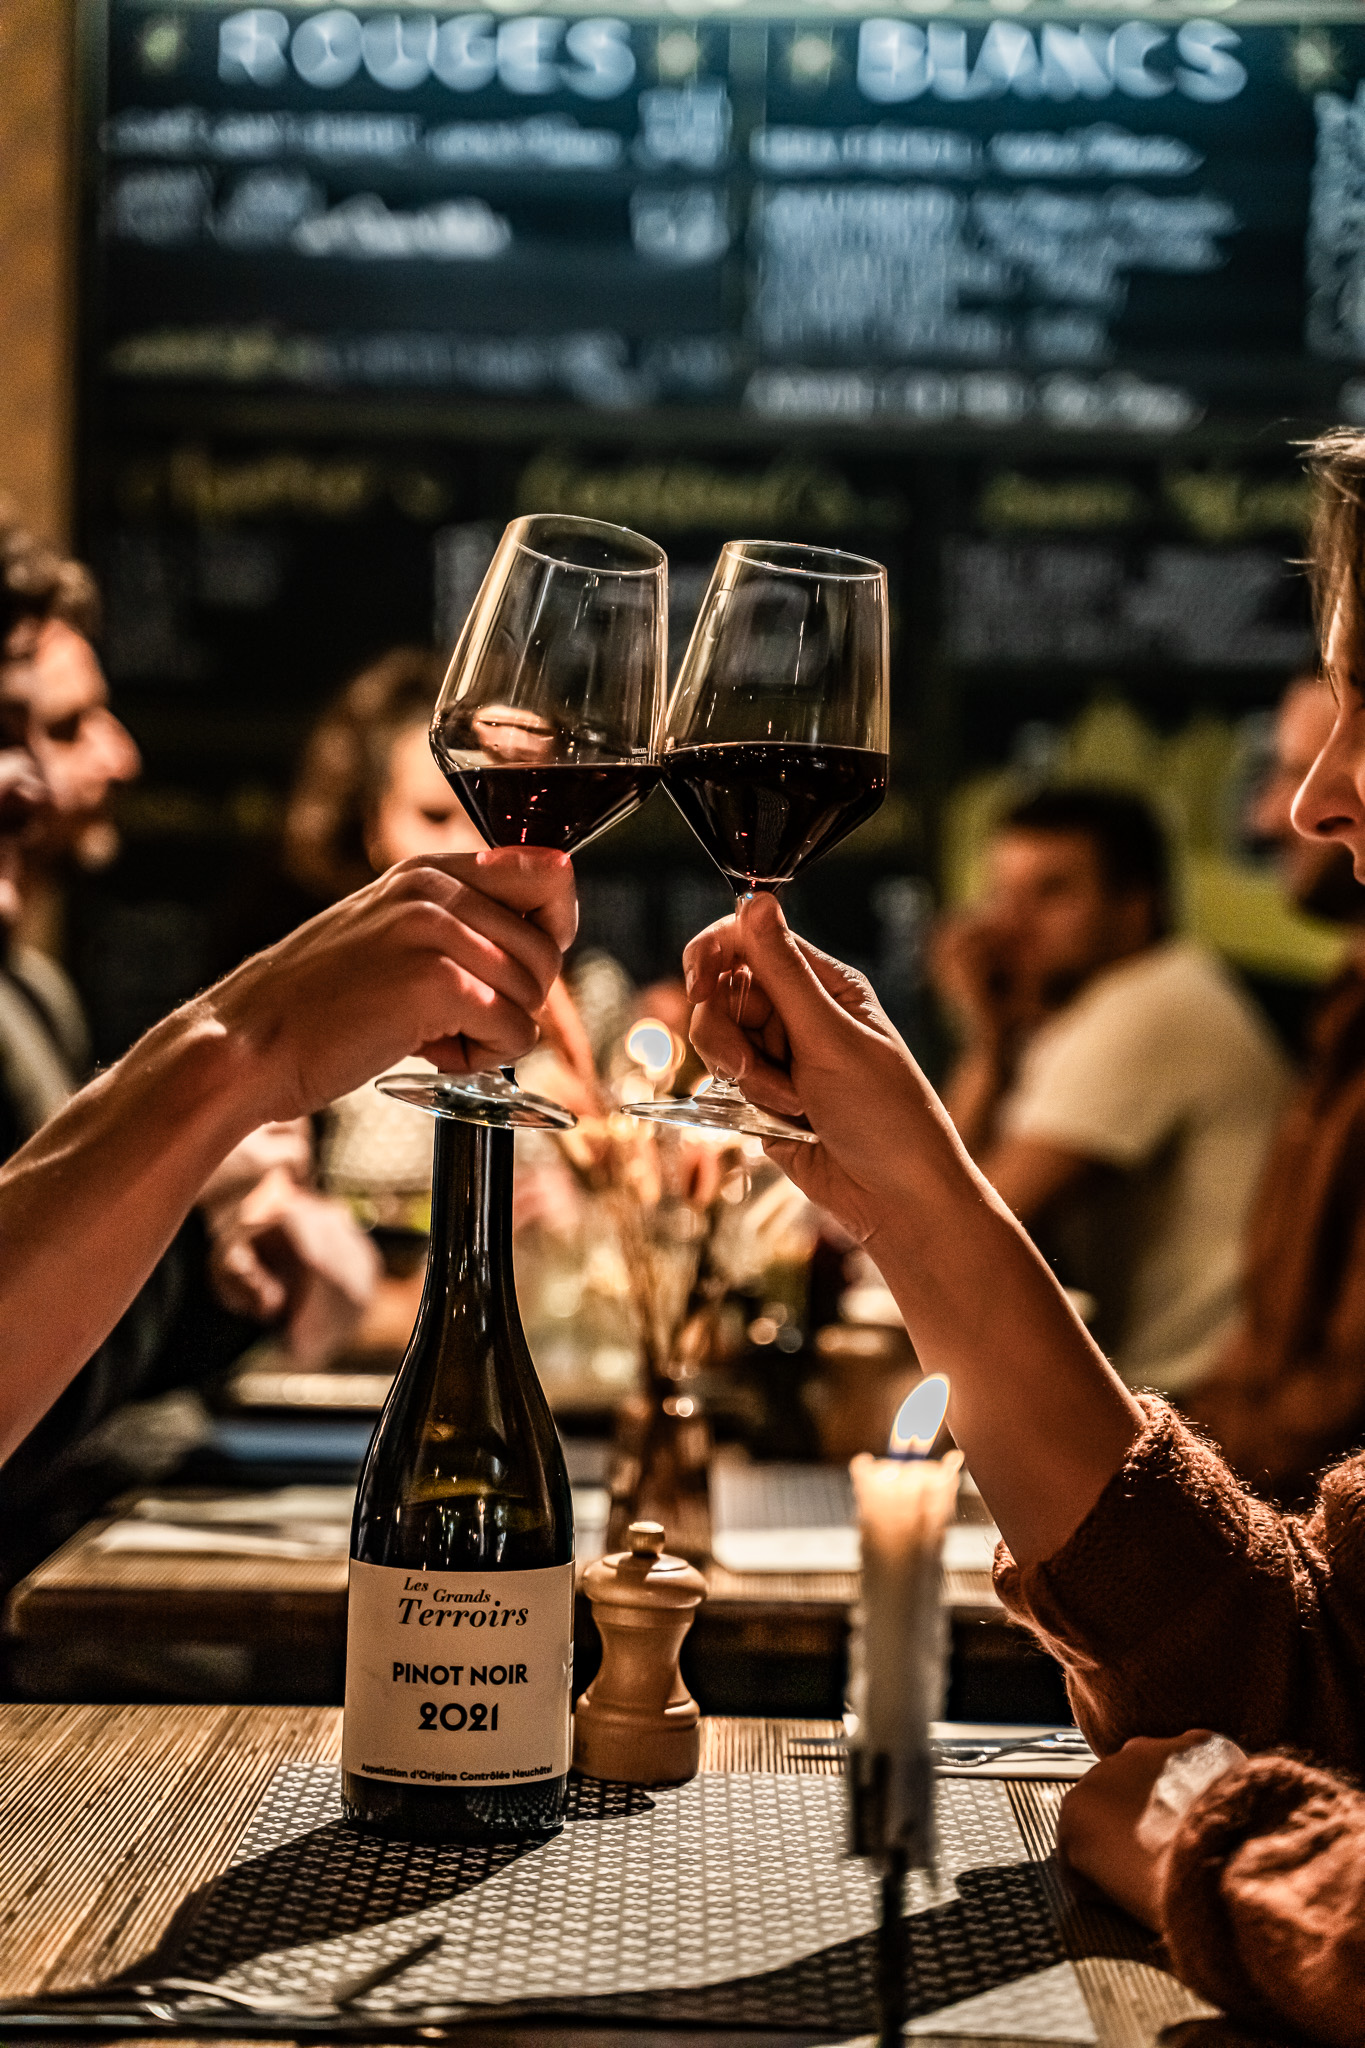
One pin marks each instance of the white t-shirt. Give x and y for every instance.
(1162, 1070)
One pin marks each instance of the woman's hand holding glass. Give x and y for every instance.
(449, 956)
(776, 743)
(814, 1044)
(1041, 1416)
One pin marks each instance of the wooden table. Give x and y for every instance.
(112, 1816)
(239, 1623)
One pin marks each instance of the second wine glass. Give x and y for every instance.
(776, 741)
(547, 726)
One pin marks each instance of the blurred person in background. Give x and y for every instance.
(368, 784)
(1288, 1393)
(366, 792)
(369, 794)
(260, 1247)
(83, 752)
(55, 707)
(1115, 1085)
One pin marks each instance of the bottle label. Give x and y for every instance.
(459, 1679)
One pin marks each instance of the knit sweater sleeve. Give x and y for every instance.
(1263, 1903)
(1182, 1602)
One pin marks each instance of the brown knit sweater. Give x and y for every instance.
(1183, 1603)
(1263, 1909)
(1288, 1395)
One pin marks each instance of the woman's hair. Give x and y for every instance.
(38, 583)
(1336, 558)
(345, 769)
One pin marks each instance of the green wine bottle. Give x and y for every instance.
(460, 1625)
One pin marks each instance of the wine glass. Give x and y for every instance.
(775, 743)
(547, 727)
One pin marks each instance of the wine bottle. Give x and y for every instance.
(460, 1621)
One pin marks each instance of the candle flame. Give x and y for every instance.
(920, 1419)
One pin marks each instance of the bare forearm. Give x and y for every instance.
(972, 1095)
(450, 954)
(89, 1205)
(1042, 1418)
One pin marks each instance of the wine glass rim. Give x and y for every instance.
(859, 569)
(588, 527)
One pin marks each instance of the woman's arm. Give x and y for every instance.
(1044, 1421)
(447, 957)
(1137, 1559)
(1256, 1880)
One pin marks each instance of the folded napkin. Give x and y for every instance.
(291, 1522)
(279, 1504)
(786, 1550)
(967, 1547)
(291, 1540)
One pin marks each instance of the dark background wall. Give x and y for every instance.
(1069, 436)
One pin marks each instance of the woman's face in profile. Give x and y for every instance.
(418, 812)
(1331, 803)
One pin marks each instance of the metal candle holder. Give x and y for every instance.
(879, 1784)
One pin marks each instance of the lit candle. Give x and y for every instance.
(896, 1679)
(896, 1669)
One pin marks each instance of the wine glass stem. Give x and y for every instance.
(741, 979)
(725, 1086)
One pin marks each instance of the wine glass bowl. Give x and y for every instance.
(547, 726)
(776, 739)
(801, 629)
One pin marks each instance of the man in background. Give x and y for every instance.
(1115, 1085)
(54, 698)
(260, 1247)
(1288, 1394)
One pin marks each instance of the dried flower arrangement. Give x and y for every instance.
(692, 1218)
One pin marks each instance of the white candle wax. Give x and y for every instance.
(897, 1665)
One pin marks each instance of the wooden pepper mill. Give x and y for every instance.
(637, 1722)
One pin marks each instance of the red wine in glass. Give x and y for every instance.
(764, 809)
(560, 805)
(775, 742)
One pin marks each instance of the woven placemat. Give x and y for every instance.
(725, 1902)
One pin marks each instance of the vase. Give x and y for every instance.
(662, 1446)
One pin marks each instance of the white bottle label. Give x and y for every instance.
(458, 1679)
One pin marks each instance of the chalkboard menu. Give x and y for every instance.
(1028, 301)
(1131, 224)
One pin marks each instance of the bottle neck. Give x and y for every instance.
(471, 1211)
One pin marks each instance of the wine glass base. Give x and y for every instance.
(477, 1099)
(705, 1112)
